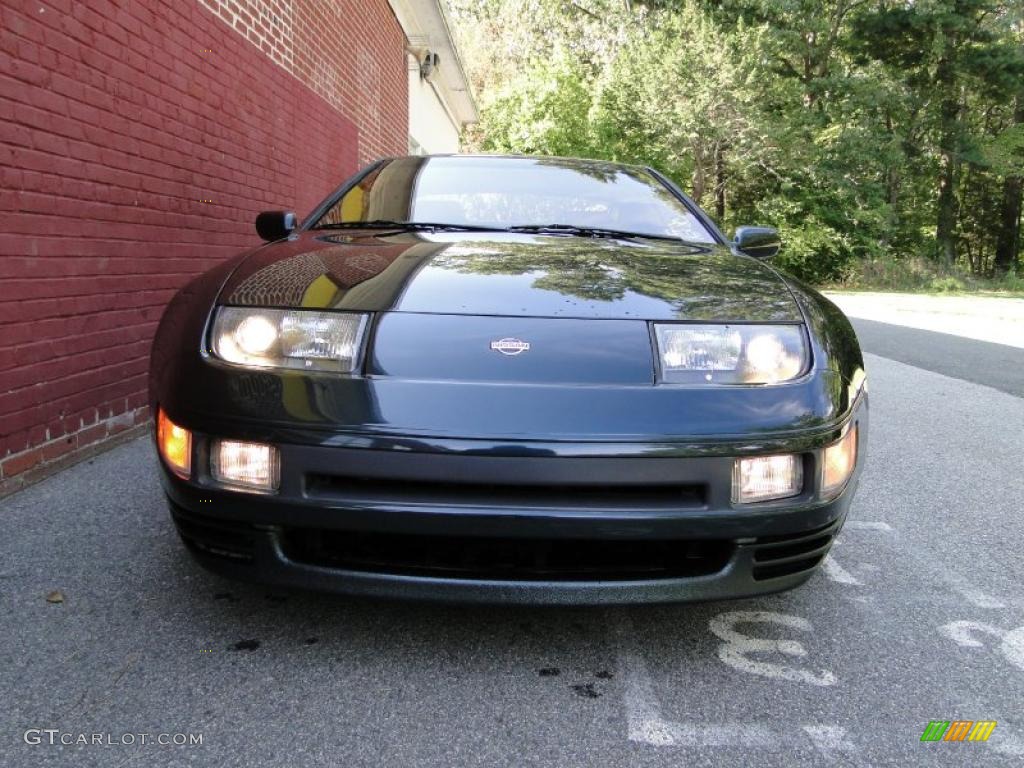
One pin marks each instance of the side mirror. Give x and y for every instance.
(273, 225)
(759, 242)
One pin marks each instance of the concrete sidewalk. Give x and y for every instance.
(985, 318)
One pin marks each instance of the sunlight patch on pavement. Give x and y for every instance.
(984, 318)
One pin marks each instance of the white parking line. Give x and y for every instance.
(1011, 745)
(837, 573)
(830, 741)
(646, 725)
(643, 713)
(960, 585)
(977, 597)
(956, 582)
(866, 525)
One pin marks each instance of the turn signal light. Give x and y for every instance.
(175, 444)
(837, 463)
(249, 466)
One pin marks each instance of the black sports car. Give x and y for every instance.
(508, 379)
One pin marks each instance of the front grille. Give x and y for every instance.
(776, 556)
(666, 496)
(223, 539)
(511, 559)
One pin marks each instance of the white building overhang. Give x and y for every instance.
(427, 29)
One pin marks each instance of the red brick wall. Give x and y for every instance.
(138, 139)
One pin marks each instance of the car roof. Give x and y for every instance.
(578, 162)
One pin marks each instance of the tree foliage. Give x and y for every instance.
(865, 131)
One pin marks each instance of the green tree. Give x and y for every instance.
(951, 49)
(868, 132)
(544, 110)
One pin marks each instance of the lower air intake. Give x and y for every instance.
(506, 559)
(223, 539)
(776, 556)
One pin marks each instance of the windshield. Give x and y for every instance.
(503, 192)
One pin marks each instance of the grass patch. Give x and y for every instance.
(917, 275)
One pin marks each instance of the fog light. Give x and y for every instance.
(837, 463)
(174, 444)
(761, 478)
(245, 465)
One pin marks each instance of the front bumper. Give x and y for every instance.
(512, 523)
(262, 558)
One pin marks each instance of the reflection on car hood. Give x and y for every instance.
(511, 275)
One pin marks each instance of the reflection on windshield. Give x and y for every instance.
(511, 192)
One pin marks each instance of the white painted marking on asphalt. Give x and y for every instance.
(867, 525)
(955, 582)
(724, 735)
(1011, 745)
(736, 647)
(830, 740)
(837, 573)
(927, 562)
(976, 596)
(643, 713)
(960, 632)
(1012, 646)
(960, 585)
(646, 725)
(643, 717)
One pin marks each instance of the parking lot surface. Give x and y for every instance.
(918, 615)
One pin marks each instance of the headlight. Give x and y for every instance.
(284, 338)
(730, 354)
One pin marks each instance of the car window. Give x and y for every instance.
(505, 192)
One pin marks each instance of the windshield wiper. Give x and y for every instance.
(570, 229)
(534, 229)
(407, 226)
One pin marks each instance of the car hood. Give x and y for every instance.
(512, 275)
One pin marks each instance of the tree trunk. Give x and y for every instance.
(1008, 236)
(892, 174)
(949, 141)
(699, 176)
(719, 183)
(1008, 240)
(949, 162)
(945, 224)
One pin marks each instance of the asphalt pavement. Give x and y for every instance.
(918, 616)
(995, 365)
